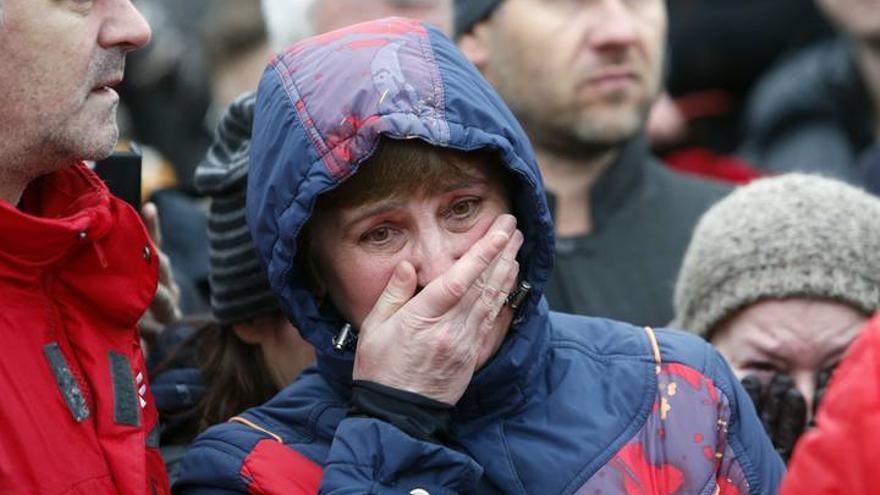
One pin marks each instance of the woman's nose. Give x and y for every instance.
(436, 254)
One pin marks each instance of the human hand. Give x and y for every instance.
(165, 308)
(782, 409)
(432, 343)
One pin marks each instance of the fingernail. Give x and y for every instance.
(401, 272)
(506, 223)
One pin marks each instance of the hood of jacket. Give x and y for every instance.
(321, 108)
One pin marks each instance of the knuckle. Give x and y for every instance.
(484, 258)
(489, 297)
(444, 346)
(454, 287)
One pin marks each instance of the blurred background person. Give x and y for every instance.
(289, 21)
(780, 276)
(181, 84)
(205, 373)
(166, 97)
(581, 77)
(717, 50)
(819, 111)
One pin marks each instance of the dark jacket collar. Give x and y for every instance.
(620, 180)
(618, 183)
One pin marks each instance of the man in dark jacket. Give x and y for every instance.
(819, 111)
(581, 77)
(77, 266)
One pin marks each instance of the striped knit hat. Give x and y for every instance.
(239, 288)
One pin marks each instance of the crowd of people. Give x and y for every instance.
(440, 246)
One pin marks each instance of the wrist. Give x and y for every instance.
(416, 415)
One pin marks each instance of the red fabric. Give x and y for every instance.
(704, 163)
(84, 293)
(840, 456)
(273, 469)
(662, 480)
(703, 104)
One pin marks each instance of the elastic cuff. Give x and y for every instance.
(416, 415)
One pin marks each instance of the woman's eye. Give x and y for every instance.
(379, 236)
(464, 208)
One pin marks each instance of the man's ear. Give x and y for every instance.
(475, 45)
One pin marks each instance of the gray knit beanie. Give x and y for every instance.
(239, 287)
(469, 12)
(789, 236)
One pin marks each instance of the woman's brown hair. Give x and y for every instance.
(234, 373)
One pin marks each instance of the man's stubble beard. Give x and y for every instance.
(585, 132)
(95, 138)
(556, 121)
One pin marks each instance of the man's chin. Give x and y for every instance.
(101, 144)
(608, 128)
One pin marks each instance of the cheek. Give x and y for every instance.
(494, 207)
(356, 283)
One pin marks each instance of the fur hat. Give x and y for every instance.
(789, 236)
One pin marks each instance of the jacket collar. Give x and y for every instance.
(617, 184)
(58, 213)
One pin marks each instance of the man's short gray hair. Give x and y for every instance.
(288, 21)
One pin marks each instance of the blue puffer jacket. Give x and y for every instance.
(568, 405)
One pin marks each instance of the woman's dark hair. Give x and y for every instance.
(236, 375)
(233, 372)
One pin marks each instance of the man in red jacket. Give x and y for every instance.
(77, 267)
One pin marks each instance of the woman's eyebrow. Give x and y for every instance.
(371, 209)
(462, 184)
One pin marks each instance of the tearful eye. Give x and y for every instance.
(463, 208)
(378, 235)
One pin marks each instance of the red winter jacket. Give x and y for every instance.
(77, 271)
(840, 456)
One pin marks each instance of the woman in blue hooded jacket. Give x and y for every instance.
(399, 211)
